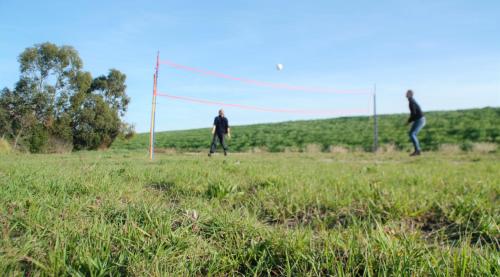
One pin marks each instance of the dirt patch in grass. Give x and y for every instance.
(171, 193)
(161, 186)
(27, 266)
(432, 222)
(115, 216)
(316, 217)
(256, 186)
(435, 223)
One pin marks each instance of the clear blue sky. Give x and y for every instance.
(448, 52)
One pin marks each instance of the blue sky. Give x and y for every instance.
(448, 52)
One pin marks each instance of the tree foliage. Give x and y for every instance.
(96, 124)
(112, 89)
(56, 101)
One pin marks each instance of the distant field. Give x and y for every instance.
(116, 213)
(451, 127)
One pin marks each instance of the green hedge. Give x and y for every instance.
(444, 127)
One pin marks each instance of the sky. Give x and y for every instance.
(446, 51)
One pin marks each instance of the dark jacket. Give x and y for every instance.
(415, 111)
(221, 125)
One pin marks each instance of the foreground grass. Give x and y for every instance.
(116, 213)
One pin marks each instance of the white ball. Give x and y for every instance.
(279, 67)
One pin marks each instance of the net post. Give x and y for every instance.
(152, 127)
(375, 119)
(153, 110)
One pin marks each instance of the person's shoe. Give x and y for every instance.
(416, 153)
(210, 154)
(225, 153)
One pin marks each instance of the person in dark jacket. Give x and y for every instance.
(219, 130)
(418, 119)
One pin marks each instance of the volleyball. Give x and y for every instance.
(279, 67)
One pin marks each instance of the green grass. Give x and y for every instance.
(451, 127)
(116, 213)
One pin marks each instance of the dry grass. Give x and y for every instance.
(338, 149)
(59, 146)
(166, 150)
(450, 149)
(256, 150)
(387, 148)
(5, 146)
(292, 149)
(484, 147)
(312, 148)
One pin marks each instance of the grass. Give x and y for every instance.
(116, 213)
(463, 127)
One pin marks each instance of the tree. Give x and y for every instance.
(55, 101)
(95, 125)
(97, 108)
(5, 122)
(50, 72)
(112, 88)
(19, 113)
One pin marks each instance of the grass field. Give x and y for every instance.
(116, 213)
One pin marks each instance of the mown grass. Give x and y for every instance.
(116, 213)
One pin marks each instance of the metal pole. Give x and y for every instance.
(152, 127)
(153, 110)
(375, 120)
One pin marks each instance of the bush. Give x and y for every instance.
(466, 146)
(58, 145)
(127, 131)
(38, 139)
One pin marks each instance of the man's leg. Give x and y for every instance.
(222, 140)
(213, 146)
(413, 136)
(415, 129)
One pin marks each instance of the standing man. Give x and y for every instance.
(219, 130)
(418, 119)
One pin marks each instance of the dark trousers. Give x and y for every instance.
(222, 141)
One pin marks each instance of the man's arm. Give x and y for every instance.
(215, 123)
(228, 128)
(412, 111)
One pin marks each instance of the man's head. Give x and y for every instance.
(221, 112)
(409, 94)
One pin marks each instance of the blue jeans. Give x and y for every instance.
(415, 128)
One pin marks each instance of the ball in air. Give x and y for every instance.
(279, 67)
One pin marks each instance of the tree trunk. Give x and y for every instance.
(18, 136)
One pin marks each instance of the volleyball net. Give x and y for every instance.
(270, 87)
